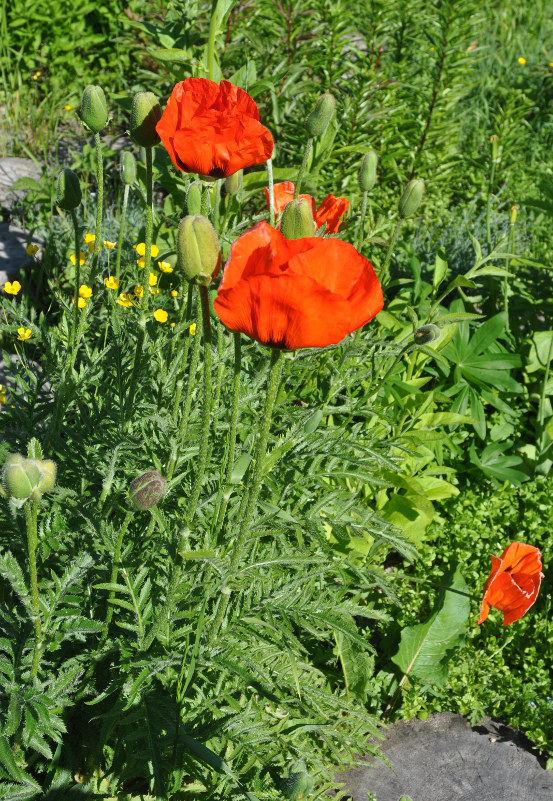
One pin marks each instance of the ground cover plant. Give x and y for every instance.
(227, 436)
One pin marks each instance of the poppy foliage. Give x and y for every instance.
(296, 293)
(213, 129)
(329, 213)
(513, 583)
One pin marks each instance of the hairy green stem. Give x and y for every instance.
(115, 569)
(211, 42)
(99, 201)
(299, 179)
(510, 249)
(72, 351)
(121, 230)
(249, 500)
(383, 277)
(361, 235)
(31, 514)
(270, 182)
(136, 367)
(149, 227)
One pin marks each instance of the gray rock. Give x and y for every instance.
(13, 256)
(444, 759)
(12, 168)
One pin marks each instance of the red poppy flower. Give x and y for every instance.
(514, 582)
(296, 293)
(213, 129)
(330, 212)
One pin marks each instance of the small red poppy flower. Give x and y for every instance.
(213, 129)
(296, 293)
(513, 583)
(329, 213)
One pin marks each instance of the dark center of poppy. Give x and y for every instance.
(217, 172)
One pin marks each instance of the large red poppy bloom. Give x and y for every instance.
(513, 583)
(296, 293)
(329, 213)
(213, 129)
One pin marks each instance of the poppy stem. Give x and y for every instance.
(136, 366)
(361, 235)
(31, 511)
(271, 192)
(114, 570)
(99, 203)
(308, 146)
(149, 227)
(213, 24)
(72, 351)
(206, 405)
(249, 500)
(121, 230)
(510, 248)
(383, 278)
(417, 580)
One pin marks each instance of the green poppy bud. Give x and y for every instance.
(145, 115)
(68, 190)
(297, 220)
(21, 477)
(411, 198)
(234, 182)
(148, 489)
(319, 119)
(367, 171)
(198, 251)
(94, 110)
(48, 469)
(298, 782)
(427, 333)
(128, 168)
(194, 198)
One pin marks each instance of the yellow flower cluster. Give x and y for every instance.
(111, 282)
(73, 258)
(12, 287)
(165, 266)
(125, 299)
(2, 394)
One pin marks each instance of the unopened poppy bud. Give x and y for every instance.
(21, 477)
(128, 168)
(411, 198)
(94, 109)
(297, 220)
(426, 333)
(198, 251)
(148, 489)
(234, 182)
(68, 190)
(145, 115)
(319, 119)
(513, 216)
(298, 782)
(48, 469)
(367, 171)
(194, 198)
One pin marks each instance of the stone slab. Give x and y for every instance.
(445, 759)
(12, 168)
(13, 256)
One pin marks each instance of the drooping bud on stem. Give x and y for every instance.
(367, 171)
(145, 115)
(319, 119)
(426, 334)
(198, 251)
(297, 220)
(411, 198)
(234, 182)
(68, 190)
(194, 198)
(94, 109)
(148, 489)
(128, 168)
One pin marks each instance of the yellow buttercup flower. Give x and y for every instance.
(152, 279)
(192, 329)
(31, 249)
(111, 282)
(141, 249)
(108, 244)
(174, 293)
(81, 302)
(81, 258)
(173, 325)
(551, 64)
(2, 395)
(24, 333)
(154, 290)
(68, 107)
(521, 60)
(37, 75)
(161, 315)
(141, 261)
(125, 299)
(85, 291)
(138, 291)
(12, 287)
(165, 267)
(88, 238)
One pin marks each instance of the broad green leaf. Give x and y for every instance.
(357, 666)
(440, 269)
(436, 419)
(541, 349)
(487, 333)
(436, 489)
(426, 648)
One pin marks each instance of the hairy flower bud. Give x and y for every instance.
(68, 190)
(234, 182)
(426, 333)
(48, 469)
(145, 115)
(148, 489)
(194, 198)
(319, 119)
(21, 477)
(367, 171)
(94, 109)
(298, 782)
(198, 251)
(297, 220)
(411, 198)
(128, 168)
